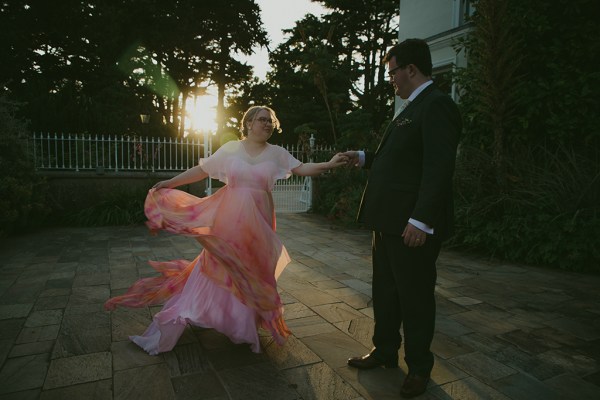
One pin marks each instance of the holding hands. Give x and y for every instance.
(338, 160)
(351, 157)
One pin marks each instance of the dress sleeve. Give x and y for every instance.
(216, 165)
(285, 163)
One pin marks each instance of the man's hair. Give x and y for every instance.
(411, 51)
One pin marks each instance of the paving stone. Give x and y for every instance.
(234, 356)
(359, 285)
(56, 292)
(446, 347)
(187, 359)
(328, 284)
(62, 283)
(292, 354)
(528, 342)
(464, 301)
(127, 355)
(38, 334)
(143, 383)
(265, 381)
(91, 279)
(129, 321)
(359, 329)
(564, 385)
(207, 385)
(83, 334)
(297, 310)
(368, 312)
(482, 322)
(99, 390)
(357, 301)
(308, 326)
(10, 328)
(27, 349)
(573, 362)
(211, 339)
(334, 348)
(446, 307)
(51, 303)
(575, 328)
(451, 327)
(336, 312)
(78, 369)
(23, 373)
(312, 297)
(5, 347)
(319, 382)
(443, 371)
(375, 384)
(43, 318)
(524, 387)
(482, 367)
(89, 295)
(467, 389)
(84, 309)
(11, 311)
(531, 365)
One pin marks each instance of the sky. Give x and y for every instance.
(277, 15)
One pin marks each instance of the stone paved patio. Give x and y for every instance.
(504, 331)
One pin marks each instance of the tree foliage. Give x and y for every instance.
(528, 179)
(118, 59)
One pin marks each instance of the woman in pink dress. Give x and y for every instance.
(231, 286)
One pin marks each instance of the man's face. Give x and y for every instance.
(399, 78)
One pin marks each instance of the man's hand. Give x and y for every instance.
(413, 236)
(352, 157)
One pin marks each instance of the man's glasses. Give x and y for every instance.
(392, 71)
(265, 120)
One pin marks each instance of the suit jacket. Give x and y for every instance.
(411, 171)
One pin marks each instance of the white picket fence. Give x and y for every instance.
(116, 154)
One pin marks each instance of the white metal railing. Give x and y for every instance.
(112, 153)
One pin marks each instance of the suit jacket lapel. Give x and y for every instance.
(414, 102)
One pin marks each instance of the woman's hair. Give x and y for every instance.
(251, 114)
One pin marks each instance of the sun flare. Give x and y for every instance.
(200, 114)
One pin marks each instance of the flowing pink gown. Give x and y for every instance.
(231, 286)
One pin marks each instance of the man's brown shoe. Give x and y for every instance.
(414, 385)
(370, 361)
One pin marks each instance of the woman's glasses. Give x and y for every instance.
(265, 120)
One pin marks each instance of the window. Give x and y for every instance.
(442, 76)
(466, 10)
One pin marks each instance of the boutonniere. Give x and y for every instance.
(403, 121)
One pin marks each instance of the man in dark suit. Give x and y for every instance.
(408, 204)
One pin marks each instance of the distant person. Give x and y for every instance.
(407, 202)
(231, 285)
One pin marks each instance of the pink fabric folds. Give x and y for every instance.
(231, 285)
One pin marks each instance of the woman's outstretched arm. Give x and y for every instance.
(192, 175)
(312, 169)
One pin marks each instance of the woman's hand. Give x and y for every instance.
(338, 160)
(352, 157)
(162, 185)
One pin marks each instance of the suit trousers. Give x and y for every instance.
(403, 295)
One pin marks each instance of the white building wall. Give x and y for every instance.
(438, 22)
(424, 18)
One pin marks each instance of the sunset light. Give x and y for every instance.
(200, 114)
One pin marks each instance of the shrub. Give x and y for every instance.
(548, 213)
(22, 192)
